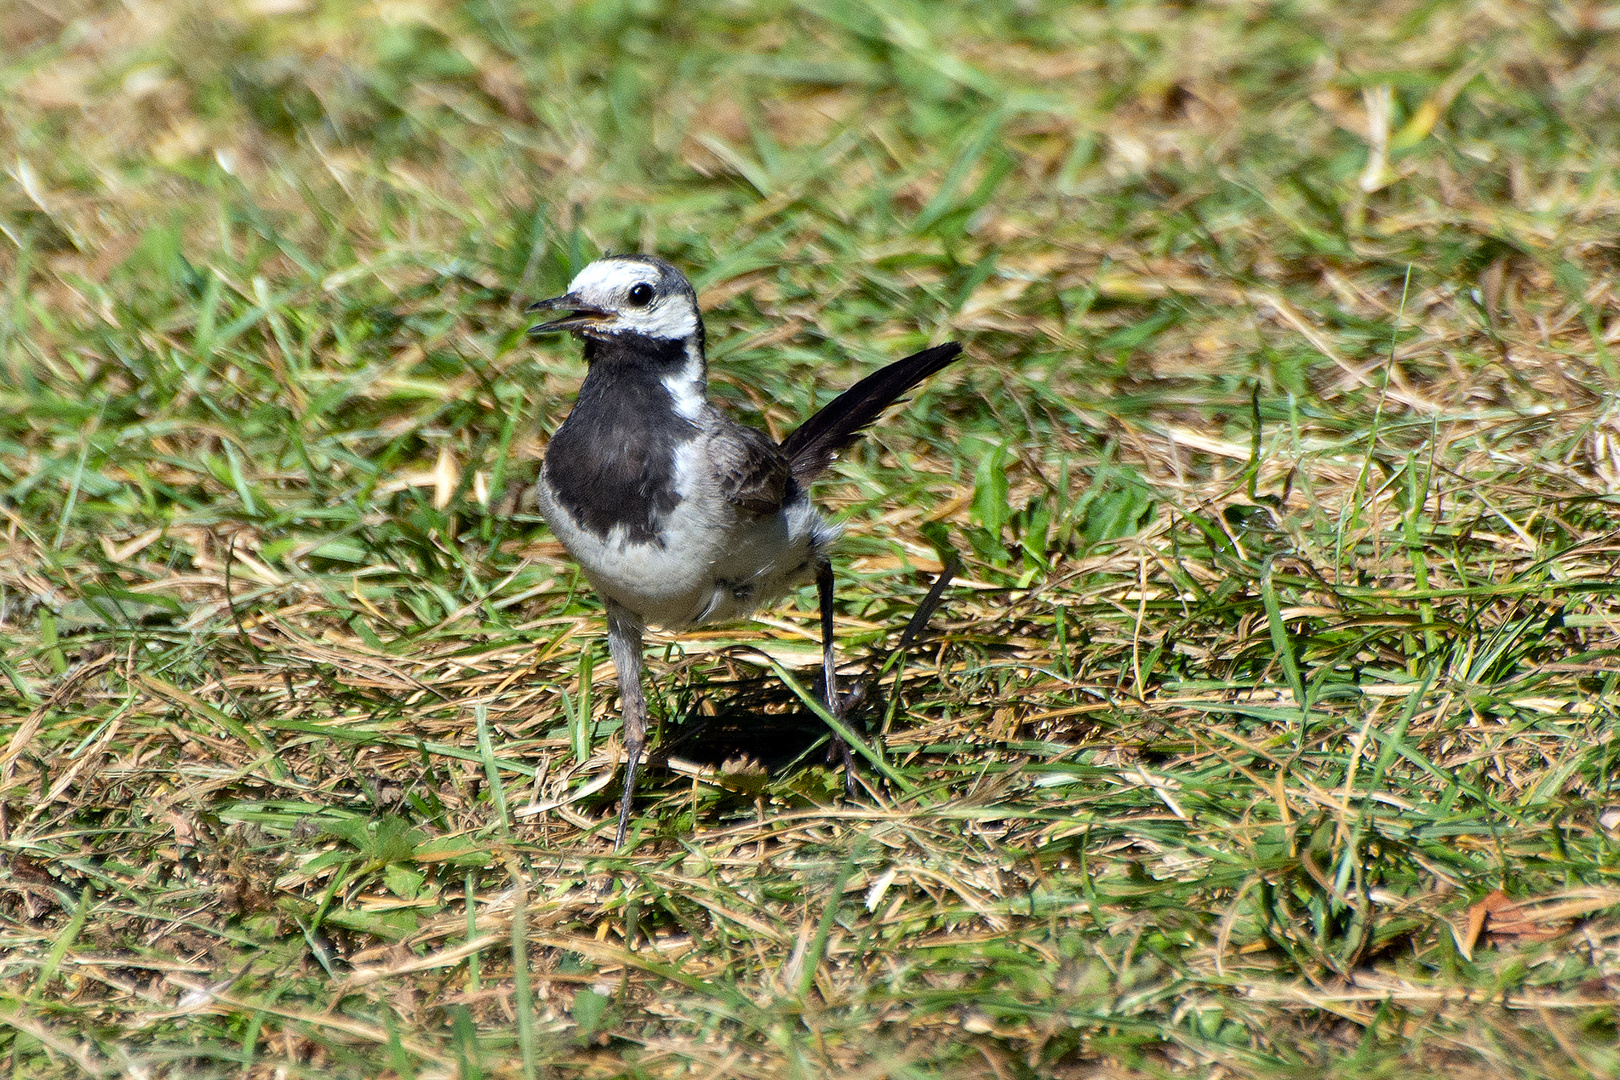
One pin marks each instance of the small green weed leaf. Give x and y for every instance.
(990, 509)
(402, 881)
(342, 549)
(388, 925)
(592, 1013)
(1117, 504)
(384, 840)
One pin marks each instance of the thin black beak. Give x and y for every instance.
(579, 315)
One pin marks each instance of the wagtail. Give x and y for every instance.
(678, 514)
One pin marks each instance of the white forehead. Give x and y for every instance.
(606, 277)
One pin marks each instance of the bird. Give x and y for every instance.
(677, 514)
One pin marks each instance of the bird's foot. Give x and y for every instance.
(838, 751)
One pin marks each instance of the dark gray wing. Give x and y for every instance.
(752, 471)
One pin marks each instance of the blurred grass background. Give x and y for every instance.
(1267, 731)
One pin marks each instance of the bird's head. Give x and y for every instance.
(625, 295)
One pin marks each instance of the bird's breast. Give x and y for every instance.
(612, 463)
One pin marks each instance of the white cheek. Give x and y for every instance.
(671, 319)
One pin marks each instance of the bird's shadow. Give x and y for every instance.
(756, 722)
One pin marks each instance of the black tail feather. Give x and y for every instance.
(811, 447)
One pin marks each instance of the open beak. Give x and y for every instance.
(579, 315)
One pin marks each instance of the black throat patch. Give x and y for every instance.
(612, 462)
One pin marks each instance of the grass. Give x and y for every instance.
(1268, 728)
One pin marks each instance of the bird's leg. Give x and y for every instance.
(829, 670)
(624, 645)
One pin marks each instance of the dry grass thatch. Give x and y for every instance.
(1266, 729)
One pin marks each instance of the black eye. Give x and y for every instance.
(641, 295)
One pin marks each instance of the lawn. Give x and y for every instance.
(1265, 728)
